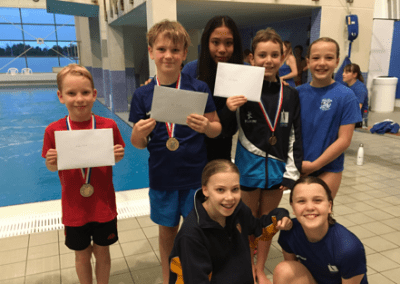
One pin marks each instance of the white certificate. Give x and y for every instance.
(84, 148)
(239, 79)
(175, 105)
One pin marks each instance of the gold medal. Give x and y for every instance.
(87, 190)
(272, 140)
(172, 144)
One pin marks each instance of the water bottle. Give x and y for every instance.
(365, 119)
(360, 155)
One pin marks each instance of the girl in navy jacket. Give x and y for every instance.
(213, 246)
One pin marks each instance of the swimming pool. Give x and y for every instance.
(24, 178)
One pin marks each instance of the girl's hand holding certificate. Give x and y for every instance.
(233, 103)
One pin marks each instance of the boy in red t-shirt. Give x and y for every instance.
(88, 198)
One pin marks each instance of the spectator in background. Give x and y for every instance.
(288, 69)
(353, 78)
(301, 64)
(246, 55)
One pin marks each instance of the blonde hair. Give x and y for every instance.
(215, 167)
(324, 39)
(266, 35)
(73, 69)
(170, 29)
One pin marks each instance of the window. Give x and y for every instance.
(36, 16)
(47, 32)
(36, 39)
(11, 32)
(10, 15)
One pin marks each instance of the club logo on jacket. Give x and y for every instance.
(326, 104)
(249, 118)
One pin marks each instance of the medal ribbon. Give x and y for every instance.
(278, 111)
(171, 126)
(89, 170)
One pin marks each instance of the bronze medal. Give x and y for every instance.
(172, 144)
(87, 190)
(272, 140)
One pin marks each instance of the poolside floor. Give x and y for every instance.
(368, 204)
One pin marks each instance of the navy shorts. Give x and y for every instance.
(167, 206)
(102, 234)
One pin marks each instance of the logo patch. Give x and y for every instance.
(249, 118)
(300, 257)
(112, 236)
(326, 104)
(333, 268)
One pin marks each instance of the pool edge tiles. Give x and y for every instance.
(46, 216)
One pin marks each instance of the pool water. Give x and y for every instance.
(24, 178)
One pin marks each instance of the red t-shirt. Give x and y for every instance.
(76, 209)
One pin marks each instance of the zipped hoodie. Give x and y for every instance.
(206, 252)
(254, 132)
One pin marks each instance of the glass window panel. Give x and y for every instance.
(69, 49)
(66, 33)
(11, 62)
(31, 32)
(9, 15)
(49, 48)
(35, 49)
(65, 61)
(12, 48)
(46, 49)
(5, 48)
(36, 16)
(11, 32)
(65, 19)
(42, 64)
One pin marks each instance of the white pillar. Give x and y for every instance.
(83, 37)
(116, 55)
(158, 10)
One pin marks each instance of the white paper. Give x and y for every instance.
(175, 105)
(84, 148)
(239, 79)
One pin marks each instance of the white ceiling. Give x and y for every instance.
(195, 14)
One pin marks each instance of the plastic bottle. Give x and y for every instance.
(365, 119)
(360, 155)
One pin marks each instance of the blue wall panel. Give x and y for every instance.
(295, 31)
(394, 67)
(97, 74)
(69, 8)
